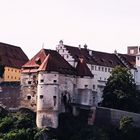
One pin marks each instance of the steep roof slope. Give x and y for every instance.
(94, 57)
(12, 56)
(49, 60)
(82, 68)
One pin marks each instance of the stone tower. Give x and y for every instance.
(48, 97)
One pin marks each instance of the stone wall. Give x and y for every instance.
(10, 94)
(107, 116)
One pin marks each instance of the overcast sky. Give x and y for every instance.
(104, 25)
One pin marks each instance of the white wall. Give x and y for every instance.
(65, 54)
(138, 60)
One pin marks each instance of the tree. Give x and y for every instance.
(120, 91)
(126, 124)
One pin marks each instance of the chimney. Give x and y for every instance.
(61, 42)
(90, 52)
(79, 47)
(115, 51)
(85, 46)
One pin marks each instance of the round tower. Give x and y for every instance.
(47, 101)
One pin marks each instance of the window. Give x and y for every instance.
(42, 80)
(15, 70)
(92, 67)
(108, 69)
(29, 82)
(99, 68)
(41, 96)
(67, 56)
(11, 77)
(102, 68)
(93, 86)
(86, 86)
(105, 69)
(138, 58)
(54, 100)
(28, 97)
(95, 67)
(15, 78)
(63, 50)
(54, 81)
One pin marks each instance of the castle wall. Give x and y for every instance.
(107, 116)
(28, 92)
(54, 92)
(9, 95)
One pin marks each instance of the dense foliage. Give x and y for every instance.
(17, 126)
(120, 91)
(21, 126)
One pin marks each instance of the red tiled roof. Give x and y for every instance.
(49, 60)
(96, 58)
(12, 56)
(82, 68)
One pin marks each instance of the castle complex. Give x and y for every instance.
(70, 78)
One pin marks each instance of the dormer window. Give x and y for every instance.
(38, 61)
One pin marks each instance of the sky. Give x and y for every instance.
(104, 25)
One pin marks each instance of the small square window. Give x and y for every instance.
(29, 82)
(86, 85)
(41, 96)
(92, 67)
(54, 81)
